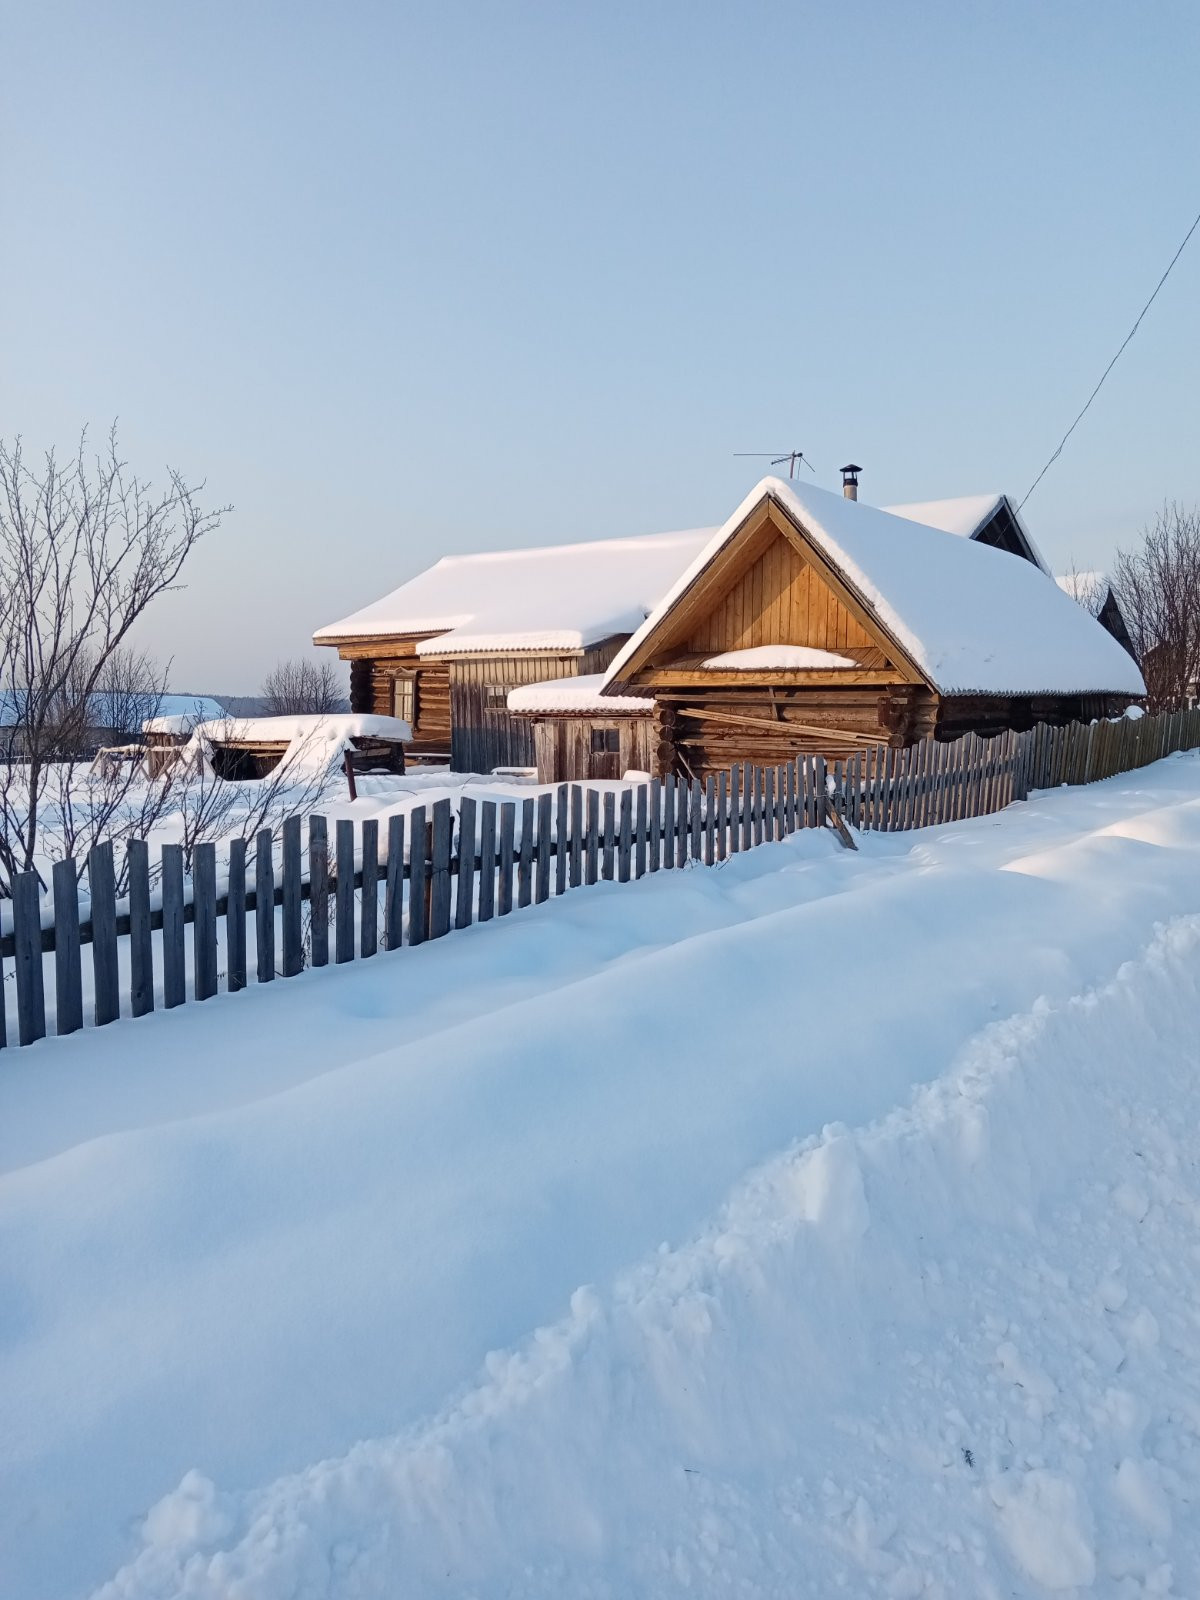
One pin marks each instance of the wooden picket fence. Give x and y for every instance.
(436, 876)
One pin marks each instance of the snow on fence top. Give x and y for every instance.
(557, 598)
(576, 696)
(972, 619)
(965, 516)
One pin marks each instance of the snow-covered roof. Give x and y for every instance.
(967, 516)
(106, 709)
(179, 713)
(321, 726)
(1081, 585)
(777, 658)
(970, 618)
(576, 696)
(552, 598)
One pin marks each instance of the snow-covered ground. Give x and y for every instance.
(817, 1222)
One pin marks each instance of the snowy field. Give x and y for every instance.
(817, 1223)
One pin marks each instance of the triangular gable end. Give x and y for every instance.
(768, 584)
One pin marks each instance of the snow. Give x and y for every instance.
(973, 619)
(480, 1269)
(328, 726)
(965, 516)
(574, 695)
(778, 658)
(553, 598)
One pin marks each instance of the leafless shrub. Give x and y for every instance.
(293, 687)
(1157, 586)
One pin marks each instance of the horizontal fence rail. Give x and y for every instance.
(428, 873)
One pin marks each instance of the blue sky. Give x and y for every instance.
(402, 280)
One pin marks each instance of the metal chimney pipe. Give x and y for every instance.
(850, 481)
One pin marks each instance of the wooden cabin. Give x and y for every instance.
(444, 650)
(579, 733)
(811, 622)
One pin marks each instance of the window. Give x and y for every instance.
(495, 697)
(606, 741)
(404, 698)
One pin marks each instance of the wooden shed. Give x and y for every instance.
(579, 733)
(445, 649)
(812, 622)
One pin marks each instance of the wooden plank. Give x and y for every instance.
(464, 897)
(561, 832)
(343, 896)
(368, 911)
(393, 893)
(640, 829)
(3, 1005)
(608, 832)
(735, 809)
(291, 926)
(820, 784)
(68, 964)
(768, 822)
(27, 936)
(174, 964)
(722, 815)
(757, 805)
(787, 724)
(525, 854)
(710, 820)
(418, 875)
(681, 823)
(204, 921)
(487, 860)
(264, 906)
(543, 847)
(440, 887)
(668, 822)
(789, 802)
(508, 828)
(576, 874)
(653, 836)
(591, 839)
(235, 927)
(696, 819)
(625, 837)
(318, 891)
(747, 807)
(102, 886)
(141, 945)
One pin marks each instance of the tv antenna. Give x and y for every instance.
(792, 457)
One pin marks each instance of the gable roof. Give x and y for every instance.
(969, 618)
(968, 516)
(553, 597)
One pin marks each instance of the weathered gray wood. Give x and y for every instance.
(735, 809)
(68, 966)
(681, 823)
(668, 820)
(368, 925)
(343, 891)
(487, 860)
(141, 944)
(525, 854)
(3, 1006)
(174, 956)
(562, 828)
(204, 921)
(608, 834)
(789, 798)
(102, 885)
(508, 827)
(591, 840)
(292, 929)
(722, 815)
(696, 819)
(27, 934)
(264, 904)
(418, 876)
(543, 847)
(393, 896)
(758, 805)
(625, 837)
(641, 827)
(464, 900)
(821, 791)
(576, 835)
(318, 891)
(653, 827)
(768, 824)
(747, 806)
(235, 918)
(440, 892)
(710, 821)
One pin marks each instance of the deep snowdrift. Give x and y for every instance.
(953, 1351)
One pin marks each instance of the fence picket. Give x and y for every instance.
(640, 828)
(27, 937)
(464, 900)
(291, 928)
(722, 815)
(418, 876)
(102, 886)
(264, 909)
(735, 809)
(654, 833)
(368, 921)
(318, 891)
(608, 836)
(625, 837)
(141, 946)
(508, 824)
(343, 892)
(487, 860)
(68, 965)
(525, 855)
(393, 895)
(561, 830)
(439, 892)
(544, 846)
(710, 820)
(668, 820)
(174, 980)
(204, 921)
(576, 874)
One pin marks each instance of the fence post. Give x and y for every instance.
(542, 847)
(608, 835)
(174, 978)
(668, 821)
(562, 828)
(710, 820)
(625, 837)
(682, 828)
(264, 904)
(102, 886)
(439, 904)
(68, 966)
(592, 838)
(343, 913)
(204, 921)
(576, 835)
(525, 854)
(653, 842)
(487, 860)
(508, 824)
(464, 903)
(3, 1016)
(418, 856)
(141, 947)
(368, 934)
(293, 957)
(640, 827)
(393, 900)
(318, 891)
(235, 918)
(27, 938)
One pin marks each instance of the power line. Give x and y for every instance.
(1113, 362)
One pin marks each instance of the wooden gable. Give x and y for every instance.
(769, 585)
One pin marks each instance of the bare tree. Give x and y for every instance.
(85, 547)
(292, 687)
(1087, 589)
(1158, 590)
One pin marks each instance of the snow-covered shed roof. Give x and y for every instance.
(575, 697)
(179, 713)
(553, 598)
(325, 726)
(968, 516)
(969, 618)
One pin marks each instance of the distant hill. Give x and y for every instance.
(243, 705)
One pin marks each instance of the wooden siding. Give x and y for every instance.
(482, 739)
(374, 667)
(565, 754)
